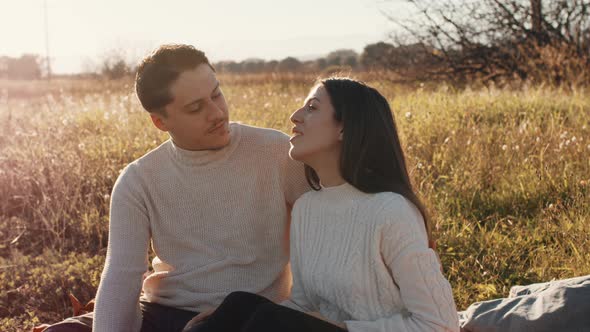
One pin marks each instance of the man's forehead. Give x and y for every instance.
(195, 83)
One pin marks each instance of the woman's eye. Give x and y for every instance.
(217, 95)
(310, 107)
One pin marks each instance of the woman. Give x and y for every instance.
(360, 251)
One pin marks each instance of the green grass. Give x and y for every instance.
(505, 173)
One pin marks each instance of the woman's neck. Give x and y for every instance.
(330, 180)
(328, 170)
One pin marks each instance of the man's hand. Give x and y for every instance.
(319, 316)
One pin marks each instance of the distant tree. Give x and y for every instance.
(320, 64)
(4, 60)
(289, 64)
(253, 65)
(377, 56)
(228, 66)
(27, 66)
(116, 70)
(271, 66)
(115, 65)
(341, 57)
(349, 61)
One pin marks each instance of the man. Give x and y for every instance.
(213, 201)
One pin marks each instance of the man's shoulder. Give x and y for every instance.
(151, 159)
(154, 155)
(262, 135)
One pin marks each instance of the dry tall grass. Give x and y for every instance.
(506, 174)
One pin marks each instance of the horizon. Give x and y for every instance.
(258, 29)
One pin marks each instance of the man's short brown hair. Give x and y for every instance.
(157, 72)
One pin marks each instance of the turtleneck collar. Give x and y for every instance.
(344, 193)
(207, 158)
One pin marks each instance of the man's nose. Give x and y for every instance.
(216, 112)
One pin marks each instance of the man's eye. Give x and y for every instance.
(311, 107)
(217, 95)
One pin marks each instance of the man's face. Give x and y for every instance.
(197, 118)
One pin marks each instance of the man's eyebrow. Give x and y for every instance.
(196, 101)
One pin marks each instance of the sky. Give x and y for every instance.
(81, 33)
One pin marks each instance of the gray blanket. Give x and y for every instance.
(556, 306)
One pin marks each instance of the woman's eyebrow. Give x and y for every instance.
(310, 99)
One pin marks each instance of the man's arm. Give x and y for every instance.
(117, 301)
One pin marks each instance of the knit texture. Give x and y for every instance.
(216, 220)
(363, 259)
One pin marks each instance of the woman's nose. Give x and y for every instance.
(295, 117)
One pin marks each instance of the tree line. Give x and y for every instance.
(115, 65)
(545, 41)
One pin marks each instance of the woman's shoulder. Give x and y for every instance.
(395, 208)
(302, 201)
(399, 220)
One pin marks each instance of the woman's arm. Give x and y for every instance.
(425, 292)
(298, 299)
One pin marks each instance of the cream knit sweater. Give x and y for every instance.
(217, 221)
(363, 259)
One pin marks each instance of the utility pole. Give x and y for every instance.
(537, 19)
(47, 57)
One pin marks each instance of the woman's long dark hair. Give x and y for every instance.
(371, 159)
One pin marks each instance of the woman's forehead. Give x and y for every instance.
(318, 92)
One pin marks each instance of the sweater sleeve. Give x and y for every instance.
(298, 300)
(425, 292)
(117, 301)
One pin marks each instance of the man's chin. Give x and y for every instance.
(222, 143)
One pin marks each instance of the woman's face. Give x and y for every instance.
(317, 135)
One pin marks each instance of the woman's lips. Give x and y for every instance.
(296, 133)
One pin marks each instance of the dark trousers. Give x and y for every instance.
(156, 318)
(247, 312)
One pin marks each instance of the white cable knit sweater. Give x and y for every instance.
(217, 221)
(363, 259)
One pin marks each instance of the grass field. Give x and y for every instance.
(505, 173)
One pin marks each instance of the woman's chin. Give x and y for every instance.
(292, 155)
(295, 154)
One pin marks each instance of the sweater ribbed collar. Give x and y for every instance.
(207, 158)
(344, 193)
